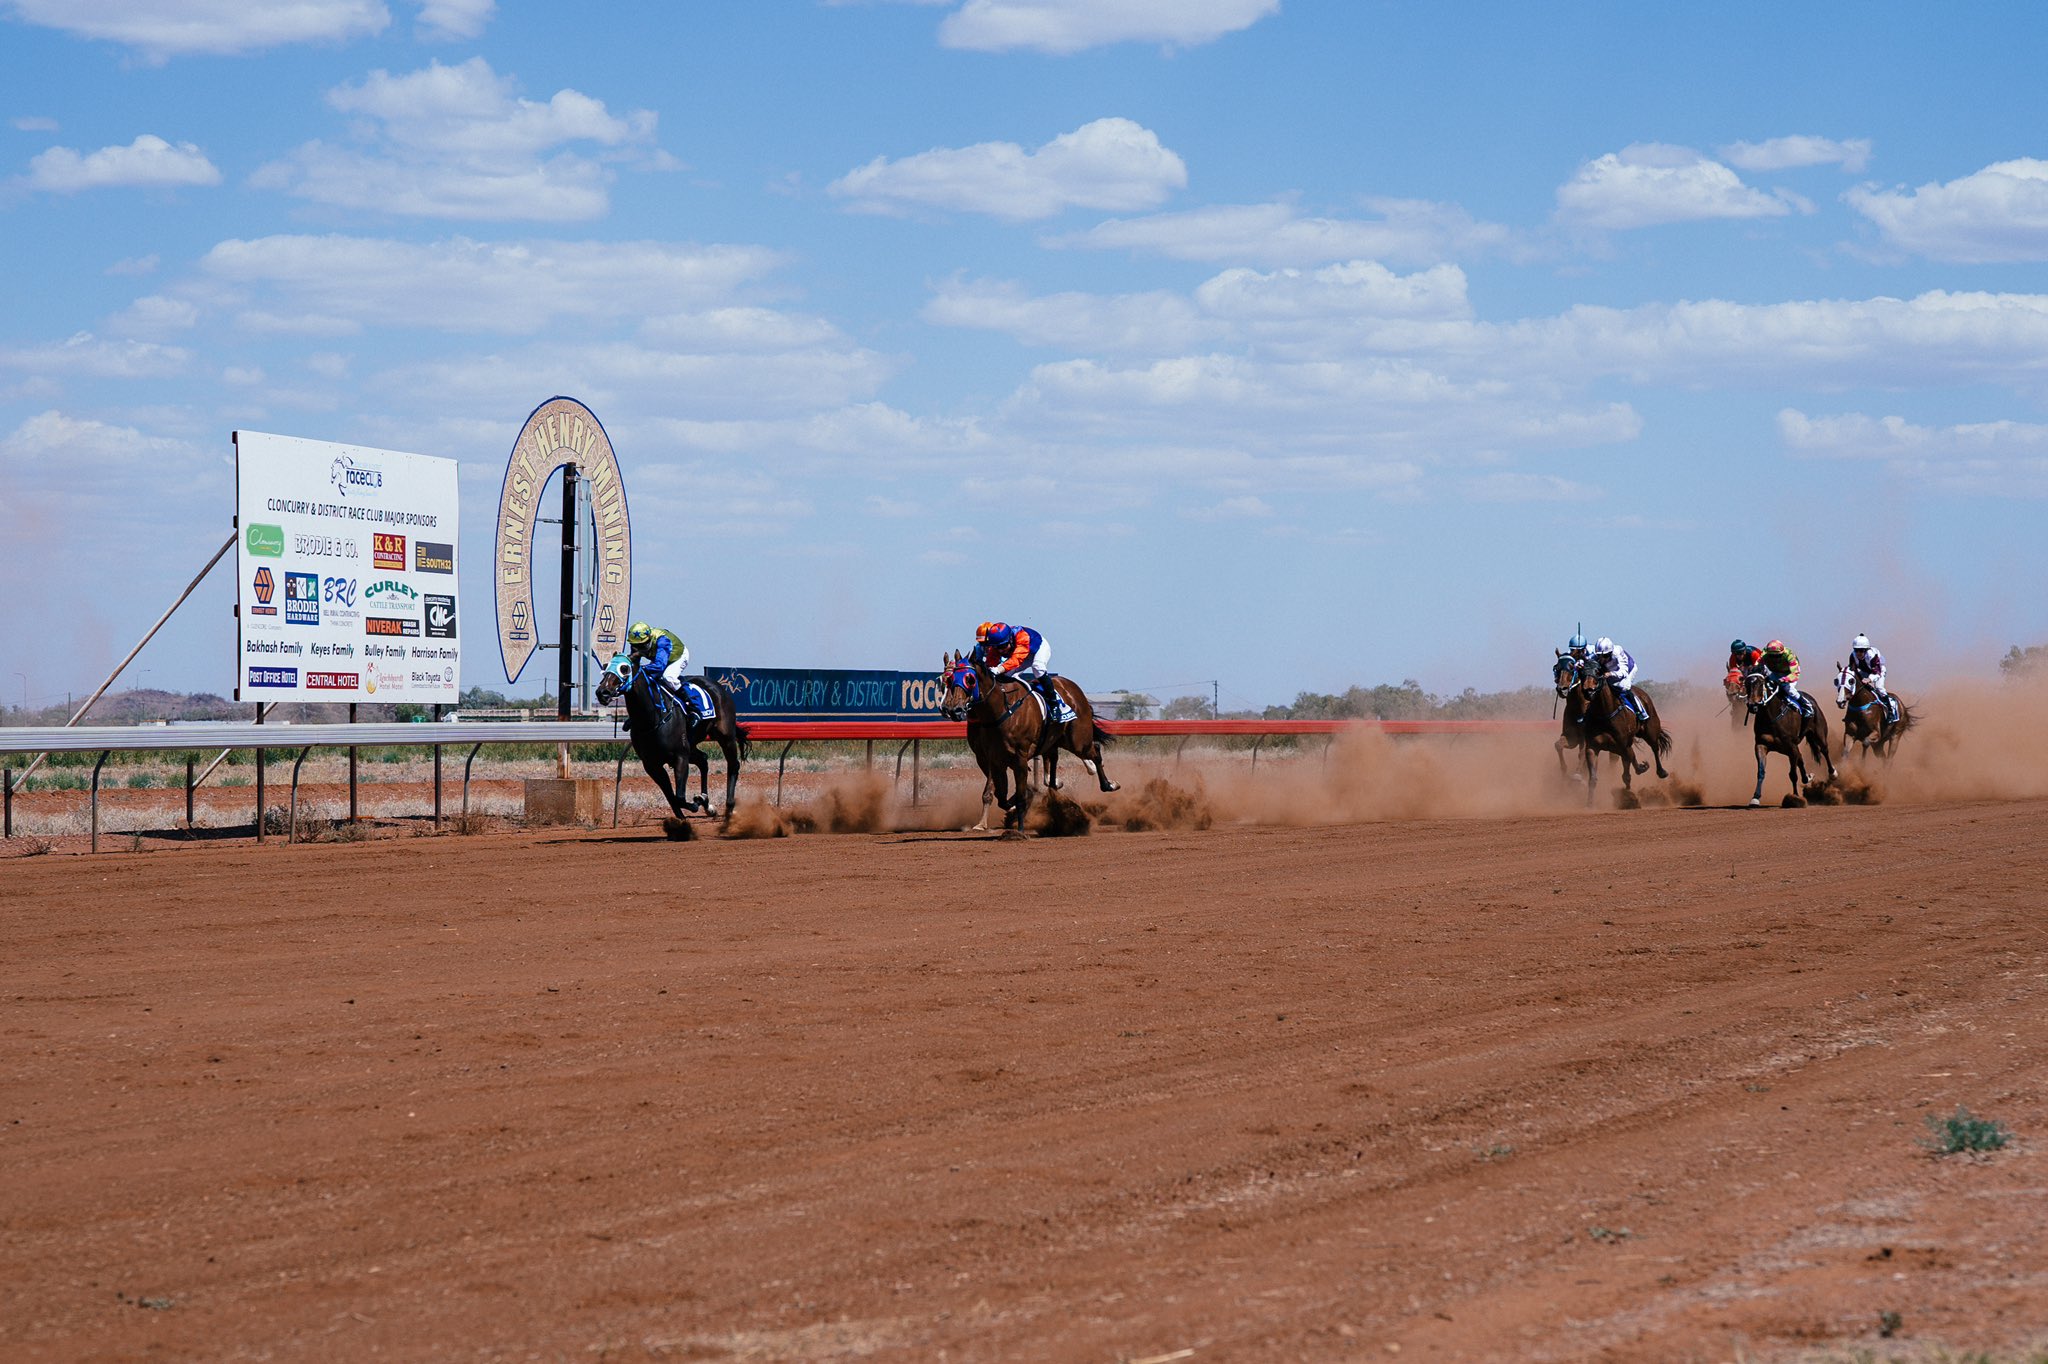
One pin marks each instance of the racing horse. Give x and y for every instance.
(1865, 720)
(1611, 726)
(666, 735)
(1007, 728)
(1564, 679)
(1780, 727)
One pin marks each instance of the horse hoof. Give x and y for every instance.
(1111, 786)
(1755, 801)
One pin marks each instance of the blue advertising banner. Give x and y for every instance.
(820, 694)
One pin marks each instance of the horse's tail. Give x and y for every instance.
(1662, 743)
(1906, 718)
(739, 732)
(1103, 733)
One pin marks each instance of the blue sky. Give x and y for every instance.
(1289, 344)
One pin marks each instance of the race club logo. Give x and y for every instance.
(387, 550)
(302, 599)
(353, 479)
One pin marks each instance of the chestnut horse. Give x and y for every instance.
(1611, 726)
(1007, 728)
(1865, 720)
(1781, 725)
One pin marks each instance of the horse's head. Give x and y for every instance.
(962, 688)
(616, 679)
(1844, 684)
(1758, 686)
(1565, 673)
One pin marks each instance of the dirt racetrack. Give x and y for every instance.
(1643, 1086)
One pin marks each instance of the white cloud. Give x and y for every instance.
(1998, 214)
(740, 329)
(460, 285)
(136, 265)
(1650, 183)
(156, 315)
(1149, 323)
(451, 20)
(34, 123)
(1359, 288)
(1409, 231)
(1791, 153)
(148, 162)
(1522, 487)
(65, 454)
(1232, 509)
(1112, 164)
(456, 142)
(1996, 458)
(86, 355)
(1065, 26)
(161, 29)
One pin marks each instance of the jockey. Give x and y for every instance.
(1577, 647)
(1021, 652)
(660, 653)
(1613, 662)
(1781, 663)
(1741, 658)
(1867, 664)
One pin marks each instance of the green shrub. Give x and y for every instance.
(1963, 1131)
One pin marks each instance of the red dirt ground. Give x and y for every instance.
(1590, 1087)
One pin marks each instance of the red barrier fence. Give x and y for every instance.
(802, 730)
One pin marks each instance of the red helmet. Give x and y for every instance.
(1776, 646)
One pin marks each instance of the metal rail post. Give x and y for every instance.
(7, 798)
(437, 772)
(916, 769)
(292, 829)
(1256, 743)
(351, 773)
(618, 777)
(96, 800)
(465, 778)
(778, 769)
(190, 787)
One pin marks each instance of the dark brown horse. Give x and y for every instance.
(1865, 719)
(1564, 678)
(666, 736)
(1007, 728)
(1781, 725)
(1612, 726)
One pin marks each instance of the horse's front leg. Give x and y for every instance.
(702, 762)
(1592, 763)
(1052, 768)
(657, 768)
(1020, 774)
(1756, 797)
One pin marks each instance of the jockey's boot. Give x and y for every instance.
(1635, 704)
(1056, 710)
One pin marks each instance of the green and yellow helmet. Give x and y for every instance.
(640, 632)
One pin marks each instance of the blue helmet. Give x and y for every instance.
(1002, 636)
(1576, 642)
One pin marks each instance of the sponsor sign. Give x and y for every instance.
(440, 616)
(302, 599)
(813, 694)
(560, 432)
(333, 681)
(265, 587)
(355, 535)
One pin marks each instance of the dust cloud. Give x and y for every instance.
(1971, 740)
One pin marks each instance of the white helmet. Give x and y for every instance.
(1604, 645)
(1860, 642)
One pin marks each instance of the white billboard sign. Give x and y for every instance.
(346, 573)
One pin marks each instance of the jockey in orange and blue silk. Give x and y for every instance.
(1021, 652)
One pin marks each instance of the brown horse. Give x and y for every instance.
(1611, 726)
(1564, 679)
(1781, 724)
(1007, 728)
(1865, 720)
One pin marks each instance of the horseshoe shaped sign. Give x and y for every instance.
(560, 432)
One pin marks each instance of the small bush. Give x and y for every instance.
(1963, 1131)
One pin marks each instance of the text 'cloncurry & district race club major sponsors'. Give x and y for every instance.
(347, 573)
